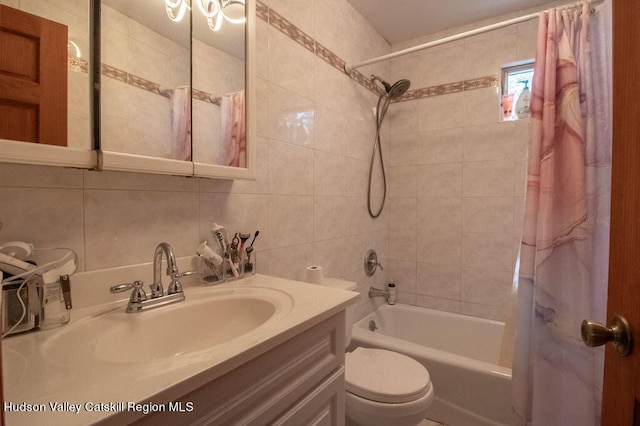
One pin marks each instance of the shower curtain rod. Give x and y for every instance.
(348, 68)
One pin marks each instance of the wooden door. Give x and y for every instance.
(33, 78)
(622, 374)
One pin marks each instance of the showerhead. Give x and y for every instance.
(398, 89)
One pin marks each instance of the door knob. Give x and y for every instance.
(619, 333)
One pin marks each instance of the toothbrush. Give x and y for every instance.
(249, 250)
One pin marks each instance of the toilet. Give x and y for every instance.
(382, 387)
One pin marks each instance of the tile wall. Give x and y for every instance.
(457, 174)
(315, 130)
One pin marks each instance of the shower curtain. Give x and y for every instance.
(564, 250)
(181, 123)
(233, 133)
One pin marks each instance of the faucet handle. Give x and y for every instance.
(137, 295)
(183, 274)
(176, 286)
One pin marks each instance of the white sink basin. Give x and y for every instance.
(199, 324)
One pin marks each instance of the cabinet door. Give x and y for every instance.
(33, 78)
(323, 406)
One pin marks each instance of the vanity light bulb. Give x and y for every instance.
(182, 9)
(218, 23)
(211, 9)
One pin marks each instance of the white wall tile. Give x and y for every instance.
(490, 251)
(289, 219)
(488, 214)
(135, 225)
(440, 180)
(441, 146)
(290, 169)
(441, 281)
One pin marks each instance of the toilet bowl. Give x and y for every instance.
(385, 388)
(382, 387)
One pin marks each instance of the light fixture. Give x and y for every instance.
(216, 11)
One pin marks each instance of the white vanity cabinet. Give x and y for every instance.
(299, 382)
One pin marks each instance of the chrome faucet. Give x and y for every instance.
(139, 301)
(172, 270)
(376, 292)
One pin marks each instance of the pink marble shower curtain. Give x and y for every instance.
(181, 123)
(564, 249)
(233, 134)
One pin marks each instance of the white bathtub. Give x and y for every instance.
(461, 354)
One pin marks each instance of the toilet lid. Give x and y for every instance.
(385, 376)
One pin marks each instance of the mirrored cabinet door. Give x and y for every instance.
(223, 37)
(45, 107)
(145, 90)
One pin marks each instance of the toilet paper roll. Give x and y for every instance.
(314, 275)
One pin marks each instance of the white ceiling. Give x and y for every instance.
(401, 20)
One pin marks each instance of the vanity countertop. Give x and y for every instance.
(92, 390)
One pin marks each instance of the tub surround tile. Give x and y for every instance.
(439, 214)
(439, 281)
(439, 247)
(402, 181)
(442, 66)
(291, 117)
(328, 174)
(486, 286)
(403, 274)
(496, 313)
(403, 214)
(406, 298)
(494, 251)
(440, 180)
(441, 146)
(488, 178)
(489, 142)
(438, 303)
(290, 66)
(403, 245)
(489, 215)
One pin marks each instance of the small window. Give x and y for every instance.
(516, 81)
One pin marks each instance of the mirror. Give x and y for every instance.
(173, 87)
(33, 92)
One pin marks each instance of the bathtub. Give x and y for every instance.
(461, 354)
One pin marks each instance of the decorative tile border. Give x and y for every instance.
(273, 18)
(78, 64)
(205, 97)
(150, 86)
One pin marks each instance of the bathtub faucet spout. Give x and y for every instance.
(376, 292)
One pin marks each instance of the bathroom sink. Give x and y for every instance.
(199, 324)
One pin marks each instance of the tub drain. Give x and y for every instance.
(372, 325)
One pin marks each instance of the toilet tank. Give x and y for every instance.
(351, 310)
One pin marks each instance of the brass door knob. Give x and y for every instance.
(619, 333)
